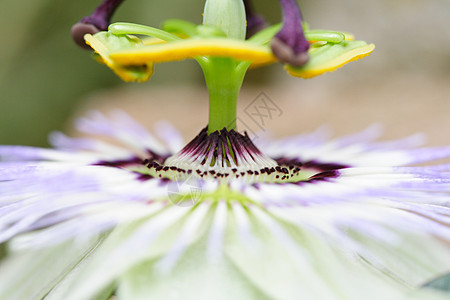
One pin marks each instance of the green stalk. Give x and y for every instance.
(224, 80)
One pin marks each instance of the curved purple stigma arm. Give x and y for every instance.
(254, 21)
(99, 20)
(290, 45)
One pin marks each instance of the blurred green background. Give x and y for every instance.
(44, 77)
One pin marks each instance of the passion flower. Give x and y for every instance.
(221, 217)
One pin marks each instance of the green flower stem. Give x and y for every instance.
(224, 80)
(223, 76)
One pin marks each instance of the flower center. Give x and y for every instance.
(225, 155)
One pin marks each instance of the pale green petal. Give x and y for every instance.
(194, 278)
(294, 263)
(414, 257)
(291, 264)
(258, 257)
(131, 244)
(32, 273)
(278, 262)
(64, 288)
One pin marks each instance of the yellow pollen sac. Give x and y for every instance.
(329, 57)
(191, 48)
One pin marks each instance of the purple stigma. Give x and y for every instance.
(98, 21)
(255, 22)
(290, 45)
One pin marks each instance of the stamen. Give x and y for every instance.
(255, 22)
(98, 21)
(290, 45)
